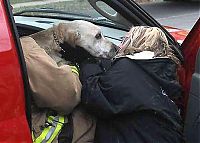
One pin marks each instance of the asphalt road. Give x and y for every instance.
(182, 15)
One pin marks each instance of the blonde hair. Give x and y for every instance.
(143, 38)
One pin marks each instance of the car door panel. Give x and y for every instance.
(189, 76)
(189, 49)
(13, 119)
(192, 123)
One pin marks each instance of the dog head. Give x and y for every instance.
(88, 36)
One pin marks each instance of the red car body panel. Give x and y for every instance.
(13, 121)
(190, 47)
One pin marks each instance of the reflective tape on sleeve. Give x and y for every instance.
(49, 133)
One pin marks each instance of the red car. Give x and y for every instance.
(15, 94)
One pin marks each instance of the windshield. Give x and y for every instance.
(81, 7)
(181, 15)
(76, 7)
(65, 9)
(68, 9)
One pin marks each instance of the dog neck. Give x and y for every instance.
(45, 40)
(57, 35)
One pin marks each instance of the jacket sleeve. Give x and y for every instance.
(93, 95)
(53, 87)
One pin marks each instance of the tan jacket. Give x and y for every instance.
(56, 88)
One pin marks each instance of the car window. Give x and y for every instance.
(82, 7)
(182, 15)
(63, 8)
(67, 9)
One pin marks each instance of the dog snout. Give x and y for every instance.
(117, 48)
(114, 50)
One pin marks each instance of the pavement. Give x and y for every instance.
(182, 15)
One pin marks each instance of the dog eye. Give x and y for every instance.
(98, 36)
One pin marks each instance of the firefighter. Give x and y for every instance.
(55, 96)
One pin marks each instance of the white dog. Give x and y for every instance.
(76, 33)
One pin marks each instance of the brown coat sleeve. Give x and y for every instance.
(53, 87)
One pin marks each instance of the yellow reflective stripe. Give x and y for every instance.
(58, 129)
(33, 137)
(57, 125)
(43, 135)
(74, 70)
(50, 119)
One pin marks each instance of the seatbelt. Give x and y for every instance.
(50, 132)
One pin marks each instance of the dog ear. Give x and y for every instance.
(68, 33)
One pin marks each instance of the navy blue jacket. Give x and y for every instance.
(131, 100)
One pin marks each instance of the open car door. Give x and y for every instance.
(14, 99)
(190, 80)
